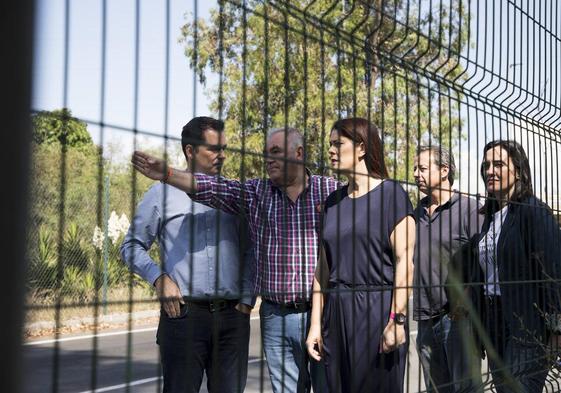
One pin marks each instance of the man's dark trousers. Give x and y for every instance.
(206, 337)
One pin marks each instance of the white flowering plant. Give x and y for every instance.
(117, 227)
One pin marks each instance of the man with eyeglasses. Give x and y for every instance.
(205, 281)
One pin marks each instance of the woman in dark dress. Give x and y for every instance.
(516, 272)
(359, 323)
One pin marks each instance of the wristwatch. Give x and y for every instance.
(399, 318)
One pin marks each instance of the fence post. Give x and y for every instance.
(105, 240)
(17, 18)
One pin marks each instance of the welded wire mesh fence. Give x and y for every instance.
(391, 103)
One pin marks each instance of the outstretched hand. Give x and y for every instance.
(151, 167)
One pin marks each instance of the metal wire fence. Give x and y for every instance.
(89, 252)
(391, 103)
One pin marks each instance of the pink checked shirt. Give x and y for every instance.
(285, 233)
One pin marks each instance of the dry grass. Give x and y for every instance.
(42, 307)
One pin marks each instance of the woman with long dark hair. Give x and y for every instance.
(359, 324)
(516, 269)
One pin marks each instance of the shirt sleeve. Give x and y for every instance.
(227, 195)
(396, 205)
(142, 233)
(249, 269)
(543, 241)
(335, 184)
(473, 220)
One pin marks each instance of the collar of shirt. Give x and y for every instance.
(425, 203)
(306, 189)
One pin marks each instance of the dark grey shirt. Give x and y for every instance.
(439, 236)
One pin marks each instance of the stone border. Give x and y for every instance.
(41, 327)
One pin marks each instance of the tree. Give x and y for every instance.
(68, 201)
(59, 127)
(84, 205)
(306, 63)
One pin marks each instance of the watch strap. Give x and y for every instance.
(400, 320)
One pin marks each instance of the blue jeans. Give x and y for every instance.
(284, 333)
(450, 359)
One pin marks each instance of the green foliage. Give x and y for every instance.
(72, 284)
(58, 127)
(82, 267)
(306, 63)
(78, 176)
(67, 188)
(75, 249)
(42, 261)
(118, 274)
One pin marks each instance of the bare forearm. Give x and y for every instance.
(314, 341)
(403, 242)
(157, 169)
(402, 285)
(321, 278)
(183, 180)
(317, 303)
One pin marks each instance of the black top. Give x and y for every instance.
(438, 237)
(529, 265)
(356, 234)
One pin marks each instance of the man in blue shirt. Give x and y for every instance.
(205, 281)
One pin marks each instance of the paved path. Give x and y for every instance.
(115, 365)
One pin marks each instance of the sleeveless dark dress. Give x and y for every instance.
(356, 238)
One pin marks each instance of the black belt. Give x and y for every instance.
(296, 305)
(211, 305)
(437, 317)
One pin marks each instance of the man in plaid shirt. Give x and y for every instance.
(283, 213)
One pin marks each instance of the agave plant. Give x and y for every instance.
(42, 271)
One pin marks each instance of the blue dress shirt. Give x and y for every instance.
(199, 246)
